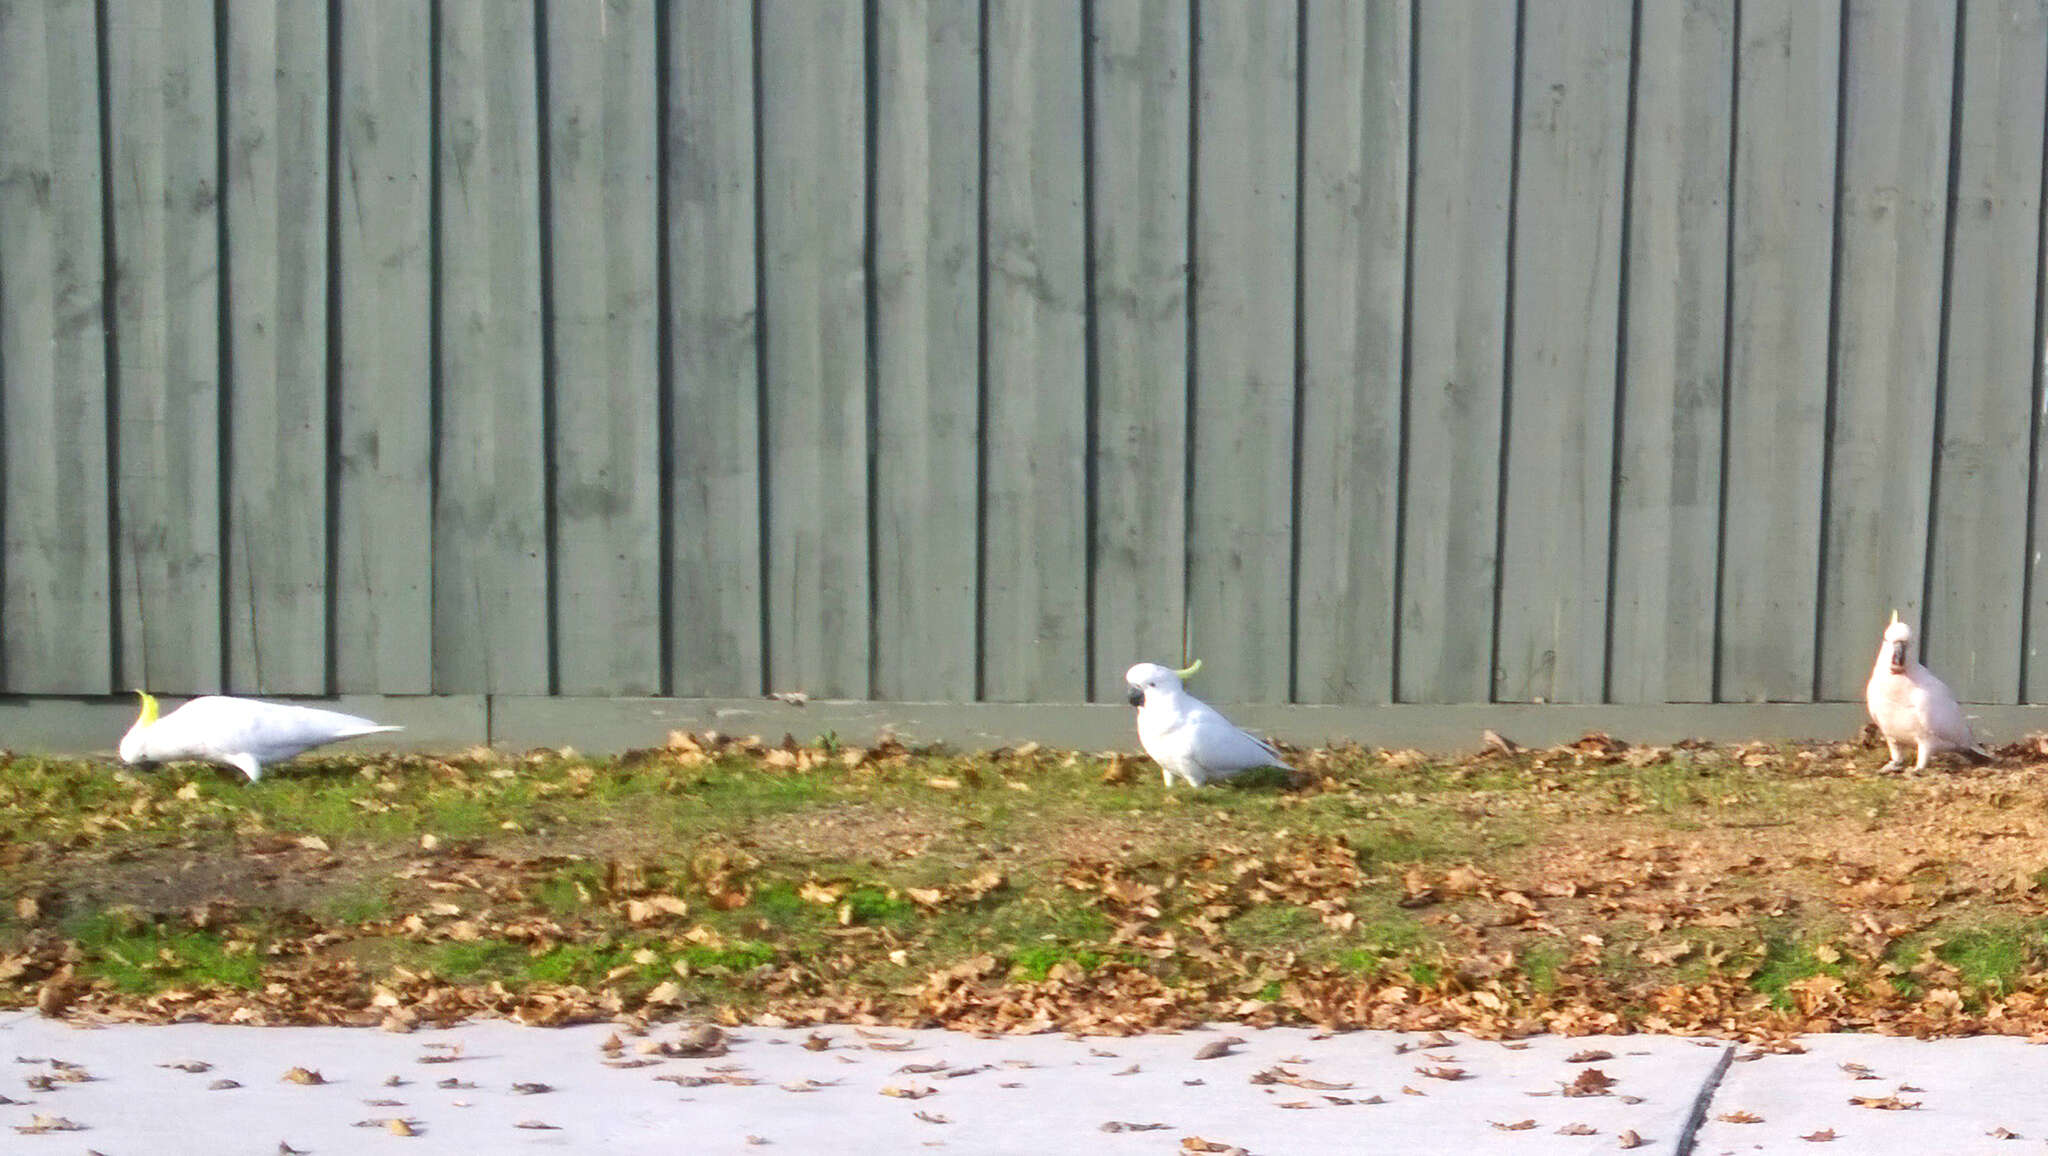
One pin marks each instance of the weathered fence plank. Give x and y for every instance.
(276, 381)
(1893, 224)
(1464, 128)
(1141, 63)
(1778, 361)
(927, 324)
(1668, 480)
(53, 461)
(490, 532)
(1034, 555)
(714, 335)
(1241, 483)
(1557, 513)
(383, 564)
(1977, 559)
(164, 121)
(605, 441)
(814, 211)
(1354, 277)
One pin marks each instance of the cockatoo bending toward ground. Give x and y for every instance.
(238, 732)
(1910, 705)
(1185, 735)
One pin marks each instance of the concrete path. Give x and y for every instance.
(496, 1087)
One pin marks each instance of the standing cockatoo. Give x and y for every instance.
(1910, 705)
(238, 732)
(1185, 735)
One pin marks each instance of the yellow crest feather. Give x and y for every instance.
(1191, 668)
(148, 708)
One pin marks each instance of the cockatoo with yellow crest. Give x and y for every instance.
(243, 733)
(1185, 735)
(1911, 706)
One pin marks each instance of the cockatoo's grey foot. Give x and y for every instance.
(1898, 757)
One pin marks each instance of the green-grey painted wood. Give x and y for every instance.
(813, 182)
(1561, 359)
(53, 460)
(167, 557)
(1354, 245)
(490, 535)
(1034, 598)
(1778, 363)
(1142, 56)
(1894, 217)
(1458, 298)
(927, 267)
(276, 393)
(1667, 482)
(606, 436)
(383, 565)
(1978, 567)
(1240, 549)
(714, 331)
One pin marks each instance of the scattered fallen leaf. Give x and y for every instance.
(1629, 1139)
(1884, 1103)
(1590, 1055)
(1216, 1048)
(1820, 1137)
(1441, 1073)
(538, 1125)
(1517, 1126)
(1739, 1117)
(1121, 1126)
(303, 1076)
(532, 1089)
(1578, 1130)
(932, 1117)
(39, 1124)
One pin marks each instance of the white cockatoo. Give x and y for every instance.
(1185, 735)
(1912, 706)
(242, 733)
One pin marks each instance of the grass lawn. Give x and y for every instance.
(1749, 890)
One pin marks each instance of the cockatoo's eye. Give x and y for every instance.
(1137, 696)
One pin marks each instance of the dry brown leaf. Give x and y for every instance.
(1517, 1126)
(1590, 1082)
(1820, 1137)
(1121, 1126)
(932, 1117)
(1442, 1073)
(2004, 1134)
(1884, 1103)
(1578, 1130)
(538, 1125)
(1590, 1055)
(303, 1076)
(1217, 1048)
(1740, 1116)
(1629, 1139)
(913, 1092)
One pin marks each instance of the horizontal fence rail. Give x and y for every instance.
(1432, 351)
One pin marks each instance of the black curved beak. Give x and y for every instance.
(1898, 657)
(1136, 697)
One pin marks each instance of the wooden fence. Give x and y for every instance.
(1404, 350)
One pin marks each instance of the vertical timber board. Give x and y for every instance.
(1978, 564)
(714, 332)
(1240, 549)
(1354, 246)
(814, 212)
(604, 380)
(1464, 116)
(927, 263)
(384, 508)
(276, 394)
(167, 557)
(1567, 273)
(1142, 57)
(1893, 224)
(1034, 602)
(1778, 361)
(1668, 479)
(53, 463)
(490, 531)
